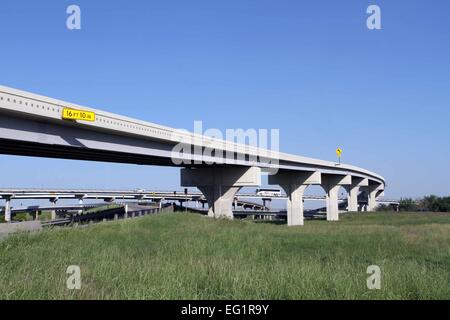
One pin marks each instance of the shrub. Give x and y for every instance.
(384, 207)
(435, 204)
(407, 204)
(22, 217)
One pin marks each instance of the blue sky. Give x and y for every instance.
(311, 69)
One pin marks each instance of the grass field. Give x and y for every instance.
(186, 256)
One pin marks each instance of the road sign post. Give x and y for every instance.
(339, 153)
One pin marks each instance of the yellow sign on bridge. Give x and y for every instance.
(73, 114)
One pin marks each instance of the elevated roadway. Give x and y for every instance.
(33, 125)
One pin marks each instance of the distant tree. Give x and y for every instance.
(384, 207)
(408, 204)
(433, 203)
(446, 204)
(429, 203)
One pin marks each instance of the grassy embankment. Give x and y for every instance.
(186, 256)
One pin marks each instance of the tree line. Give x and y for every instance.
(430, 203)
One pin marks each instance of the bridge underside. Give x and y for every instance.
(32, 149)
(37, 137)
(28, 137)
(34, 136)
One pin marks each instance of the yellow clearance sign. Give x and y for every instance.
(73, 114)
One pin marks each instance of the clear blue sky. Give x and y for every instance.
(311, 69)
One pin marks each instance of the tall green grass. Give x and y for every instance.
(186, 256)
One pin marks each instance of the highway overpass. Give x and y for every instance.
(33, 125)
(122, 196)
(55, 195)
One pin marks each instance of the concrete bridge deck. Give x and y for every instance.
(33, 125)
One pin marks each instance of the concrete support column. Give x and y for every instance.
(265, 201)
(7, 209)
(353, 191)
(158, 202)
(220, 184)
(372, 201)
(332, 202)
(352, 199)
(53, 212)
(80, 202)
(125, 208)
(331, 184)
(220, 200)
(374, 190)
(295, 184)
(295, 204)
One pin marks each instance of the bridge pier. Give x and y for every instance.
(53, 212)
(125, 211)
(267, 200)
(371, 201)
(374, 190)
(295, 184)
(220, 184)
(353, 191)
(158, 202)
(80, 198)
(331, 184)
(7, 208)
